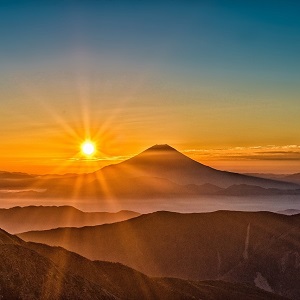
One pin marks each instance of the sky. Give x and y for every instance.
(218, 80)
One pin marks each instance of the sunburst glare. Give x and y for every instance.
(88, 148)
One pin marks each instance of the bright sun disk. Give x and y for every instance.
(88, 148)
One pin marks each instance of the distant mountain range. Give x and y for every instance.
(20, 219)
(293, 178)
(160, 171)
(290, 211)
(37, 271)
(259, 249)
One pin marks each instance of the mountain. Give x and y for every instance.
(37, 271)
(20, 219)
(258, 248)
(158, 172)
(163, 161)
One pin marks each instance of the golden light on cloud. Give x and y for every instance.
(88, 148)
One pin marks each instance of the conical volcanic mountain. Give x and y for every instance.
(165, 162)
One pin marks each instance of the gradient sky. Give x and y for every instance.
(218, 80)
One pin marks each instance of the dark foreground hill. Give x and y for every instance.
(261, 249)
(36, 271)
(20, 219)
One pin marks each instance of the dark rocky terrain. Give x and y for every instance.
(259, 248)
(36, 271)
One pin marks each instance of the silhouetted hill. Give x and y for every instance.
(15, 175)
(263, 246)
(20, 219)
(36, 271)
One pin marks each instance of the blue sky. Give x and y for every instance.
(246, 35)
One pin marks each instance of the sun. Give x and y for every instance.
(88, 148)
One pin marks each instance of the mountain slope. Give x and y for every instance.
(295, 178)
(194, 246)
(36, 271)
(292, 178)
(25, 274)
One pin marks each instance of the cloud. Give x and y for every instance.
(269, 152)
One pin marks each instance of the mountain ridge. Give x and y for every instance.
(19, 219)
(196, 246)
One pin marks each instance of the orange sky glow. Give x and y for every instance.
(211, 86)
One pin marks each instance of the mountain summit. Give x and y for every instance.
(160, 147)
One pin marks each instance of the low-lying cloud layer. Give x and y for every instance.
(269, 152)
